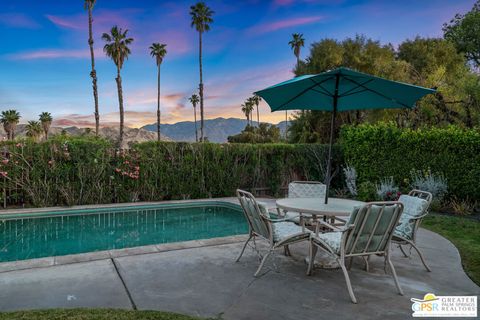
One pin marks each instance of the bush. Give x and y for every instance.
(384, 150)
(367, 191)
(87, 170)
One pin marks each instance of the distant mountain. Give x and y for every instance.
(216, 130)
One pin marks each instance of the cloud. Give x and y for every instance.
(18, 20)
(102, 19)
(282, 24)
(54, 54)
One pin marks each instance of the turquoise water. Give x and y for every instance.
(86, 231)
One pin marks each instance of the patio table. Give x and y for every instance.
(312, 208)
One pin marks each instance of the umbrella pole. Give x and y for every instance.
(332, 129)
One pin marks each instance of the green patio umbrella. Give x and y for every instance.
(339, 90)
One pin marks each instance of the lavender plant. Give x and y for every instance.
(387, 190)
(351, 179)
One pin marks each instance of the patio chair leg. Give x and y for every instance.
(311, 257)
(397, 284)
(262, 263)
(244, 246)
(347, 280)
(367, 266)
(403, 251)
(286, 251)
(422, 258)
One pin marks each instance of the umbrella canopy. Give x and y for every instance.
(341, 89)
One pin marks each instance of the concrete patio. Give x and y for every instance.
(200, 278)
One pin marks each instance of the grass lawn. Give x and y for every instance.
(464, 233)
(87, 314)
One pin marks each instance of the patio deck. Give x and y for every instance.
(201, 278)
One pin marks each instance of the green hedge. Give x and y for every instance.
(70, 171)
(378, 151)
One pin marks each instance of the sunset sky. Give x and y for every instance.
(44, 57)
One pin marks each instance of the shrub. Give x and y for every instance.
(384, 150)
(462, 206)
(367, 191)
(428, 181)
(387, 190)
(350, 179)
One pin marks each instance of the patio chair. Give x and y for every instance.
(416, 205)
(367, 232)
(278, 232)
(303, 189)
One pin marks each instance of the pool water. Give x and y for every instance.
(70, 232)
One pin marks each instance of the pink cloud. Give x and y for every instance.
(17, 20)
(54, 54)
(282, 24)
(103, 19)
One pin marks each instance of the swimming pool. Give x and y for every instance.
(37, 235)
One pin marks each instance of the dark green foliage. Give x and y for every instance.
(264, 133)
(367, 191)
(385, 150)
(88, 170)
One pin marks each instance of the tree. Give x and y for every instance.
(264, 133)
(247, 108)
(464, 31)
(201, 16)
(10, 119)
(194, 101)
(88, 5)
(33, 129)
(117, 48)
(46, 121)
(296, 44)
(158, 51)
(256, 101)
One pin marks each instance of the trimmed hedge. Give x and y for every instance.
(383, 150)
(72, 171)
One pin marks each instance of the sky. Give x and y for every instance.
(45, 61)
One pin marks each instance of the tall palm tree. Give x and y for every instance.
(256, 100)
(201, 16)
(246, 112)
(296, 44)
(247, 109)
(158, 51)
(46, 121)
(89, 4)
(10, 119)
(117, 49)
(34, 129)
(194, 101)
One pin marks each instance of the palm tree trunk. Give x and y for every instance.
(195, 117)
(120, 106)
(201, 89)
(93, 73)
(286, 124)
(258, 117)
(158, 105)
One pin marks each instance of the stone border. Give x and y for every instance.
(116, 253)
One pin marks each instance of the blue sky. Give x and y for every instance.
(44, 58)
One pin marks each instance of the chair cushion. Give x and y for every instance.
(413, 207)
(329, 239)
(306, 190)
(283, 230)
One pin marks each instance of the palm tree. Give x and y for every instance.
(46, 120)
(201, 19)
(296, 44)
(158, 51)
(34, 129)
(256, 100)
(117, 49)
(247, 109)
(89, 4)
(10, 119)
(194, 101)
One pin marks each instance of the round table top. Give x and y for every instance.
(317, 206)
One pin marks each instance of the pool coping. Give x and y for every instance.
(114, 253)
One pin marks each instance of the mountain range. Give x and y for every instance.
(216, 130)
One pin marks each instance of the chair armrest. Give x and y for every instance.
(419, 217)
(277, 220)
